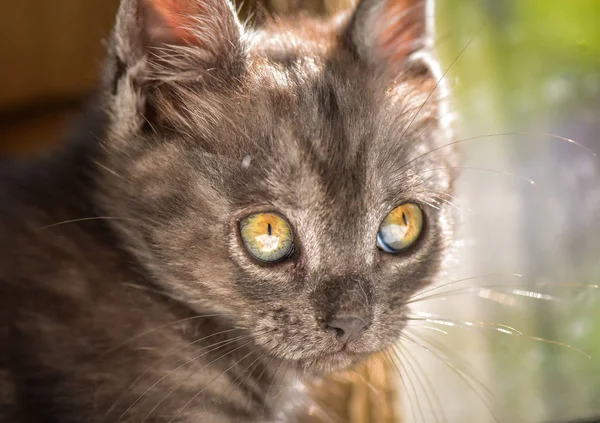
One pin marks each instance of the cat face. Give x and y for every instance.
(260, 171)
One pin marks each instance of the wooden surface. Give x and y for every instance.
(51, 53)
(51, 49)
(367, 394)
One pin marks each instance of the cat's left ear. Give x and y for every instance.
(393, 34)
(176, 39)
(164, 50)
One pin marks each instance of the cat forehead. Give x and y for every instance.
(335, 109)
(317, 131)
(308, 123)
(284, 40)
(318, 144)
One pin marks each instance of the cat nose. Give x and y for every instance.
(348, 327)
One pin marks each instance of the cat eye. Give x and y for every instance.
(400, 229)
(267, 237)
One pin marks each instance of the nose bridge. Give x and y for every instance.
(355, 297)
(344, 296)
(347, 253)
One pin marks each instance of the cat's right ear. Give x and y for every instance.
(393, 34)
(174, 40)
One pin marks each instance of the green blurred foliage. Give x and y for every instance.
(530, 65)
(528, 54)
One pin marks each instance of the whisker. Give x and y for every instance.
(452, 204)
(436, 288)
(187, 404)
(485, 291)
(444, 195)
(431, 387)
(425, 382)
(433, 206)
(437, 84)
(172, 390)
(108, 169)
(538, 134)
(482, 169)
(368, 384)
(434, 329)
(505, 134)
(498, 327)
(402, 378)
(264, 410)
(214, 347)
(465, 368)
(281, 386)
(155, 363)
(231, 384)
(84, 219)
(401, 360)
(516, 290)
(467, 379)
(258, 380)
(560, 344)
(166, 325)
(440, 199)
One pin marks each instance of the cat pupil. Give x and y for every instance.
(269, 229)
(404, 219)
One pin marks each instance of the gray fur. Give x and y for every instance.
(187, 138)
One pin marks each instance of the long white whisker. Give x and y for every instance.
(437, 85)
(207, 350)
(402, 359)
(468, 380)
(171, 391)
(166, 325)
(505, 134)
(84, 219)
(155, 363)
(456, 362)
(402, 378)
(482, 169)
(516, 290)
(231, 384)
(416, 367)
(187, 404)
(498, 327)
(436, 288)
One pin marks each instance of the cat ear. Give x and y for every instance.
(391, 33)
(165, 32)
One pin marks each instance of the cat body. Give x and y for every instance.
(127, 293)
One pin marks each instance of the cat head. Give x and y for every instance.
(283, 175)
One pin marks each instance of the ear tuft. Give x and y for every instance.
(207, 24)
(388, 32)
(162, 51)
(150, 28)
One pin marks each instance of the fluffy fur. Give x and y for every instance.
(127, 294)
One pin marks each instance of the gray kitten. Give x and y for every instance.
(243, 209)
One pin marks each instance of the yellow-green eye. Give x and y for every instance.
(400, 229)
(267, 237)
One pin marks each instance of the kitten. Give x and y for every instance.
(243, 209)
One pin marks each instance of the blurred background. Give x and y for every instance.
(519, 339)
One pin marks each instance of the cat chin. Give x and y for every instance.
(334, 362)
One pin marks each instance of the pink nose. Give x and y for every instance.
(348, 327)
